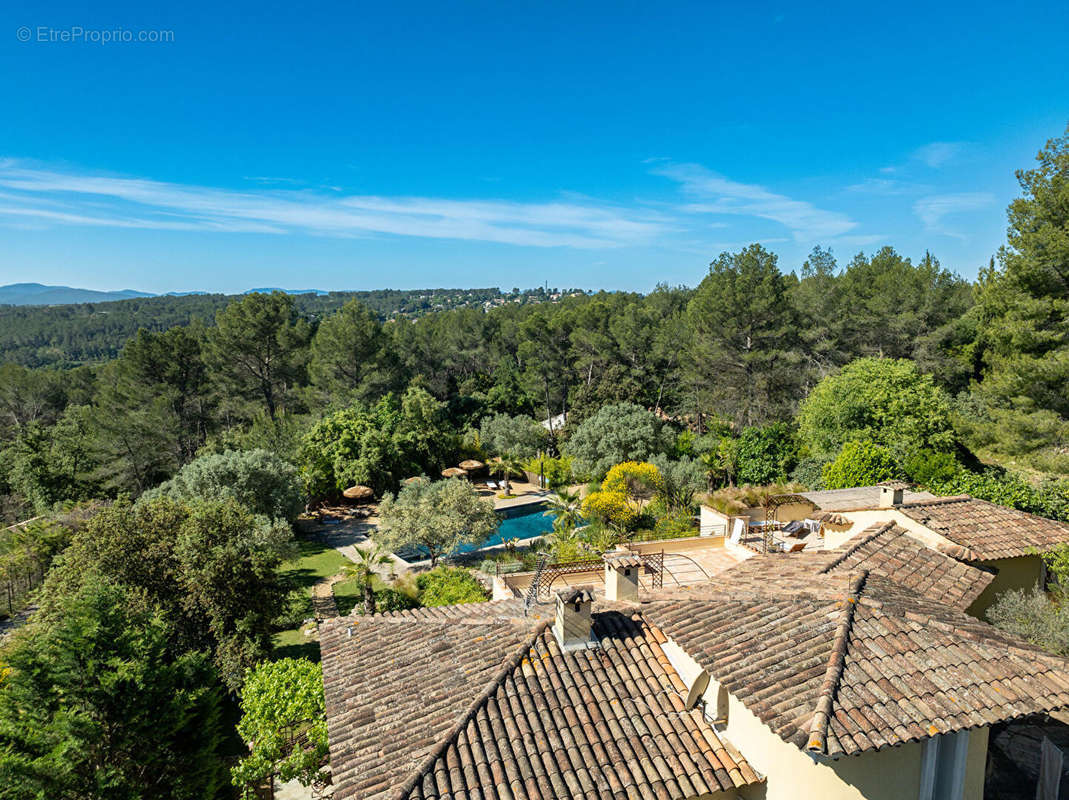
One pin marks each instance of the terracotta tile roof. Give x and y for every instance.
(889, 550)
(623, 559)
(842, 663)
(985, 531)
(479, 705)
(498, 610)
(885, 549)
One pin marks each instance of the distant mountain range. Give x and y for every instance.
(38, 294)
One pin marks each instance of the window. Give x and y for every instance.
(943, 766)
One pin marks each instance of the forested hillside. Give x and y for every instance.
(739, 352)
(80, 333)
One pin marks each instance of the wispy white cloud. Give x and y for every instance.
(932, 210)
(887, 187)
(936, 154)
(85, 199)
(719, 195)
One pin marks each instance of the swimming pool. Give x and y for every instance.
(519, 522)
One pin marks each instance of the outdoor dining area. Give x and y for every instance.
(791, 523)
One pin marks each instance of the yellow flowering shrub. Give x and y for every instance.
(636, 480)
(608, 506)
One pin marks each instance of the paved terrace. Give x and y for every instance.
(686, 562)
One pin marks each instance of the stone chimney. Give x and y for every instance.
(573, 624)
(622, 569)
(891, 493)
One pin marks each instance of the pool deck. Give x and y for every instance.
(524, 494)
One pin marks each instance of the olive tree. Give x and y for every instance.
(435, 516)
(616, 433)
(259, 480)
(518, 436)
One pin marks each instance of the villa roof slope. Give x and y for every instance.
(478, 705)
(889, 550)
(857, 498)
(985, 531)
(845, 662)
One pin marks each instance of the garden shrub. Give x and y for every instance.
(609, 506)
(1050, 499)
(810, 473)
(557, 471)
(677, 525)
(389, 599)
(765, 454)
(929, 467)
(297, 608)
(1035, 617)
(446, 586)
(636, 480)
(860, 464)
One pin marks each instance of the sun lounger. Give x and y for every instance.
(491, 485)
(793, 528)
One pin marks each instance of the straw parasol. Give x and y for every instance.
(471, 465)
(359, 492)
(454, 472)
(413, 479)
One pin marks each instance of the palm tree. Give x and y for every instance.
(564, 506)
(507, 465)
(364, 568)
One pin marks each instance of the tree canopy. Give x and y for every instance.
(886, 401)
(210, 567)
(283, 718)
(617, 432)
(259, 480)
(435, 517)
(96, 703)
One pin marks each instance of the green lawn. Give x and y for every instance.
(315, 561)
(294, 644)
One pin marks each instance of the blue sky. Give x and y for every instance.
(365, 145)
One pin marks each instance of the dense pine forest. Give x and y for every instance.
(160, 380)
(161, 449)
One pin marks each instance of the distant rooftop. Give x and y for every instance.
(858, 498)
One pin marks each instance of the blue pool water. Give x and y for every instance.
(519, 522)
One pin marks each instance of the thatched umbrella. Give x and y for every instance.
(454, 472)
(413, 479)
(471, 465)
(359, 493)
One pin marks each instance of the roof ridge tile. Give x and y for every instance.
(881, 528)
(818, 726)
